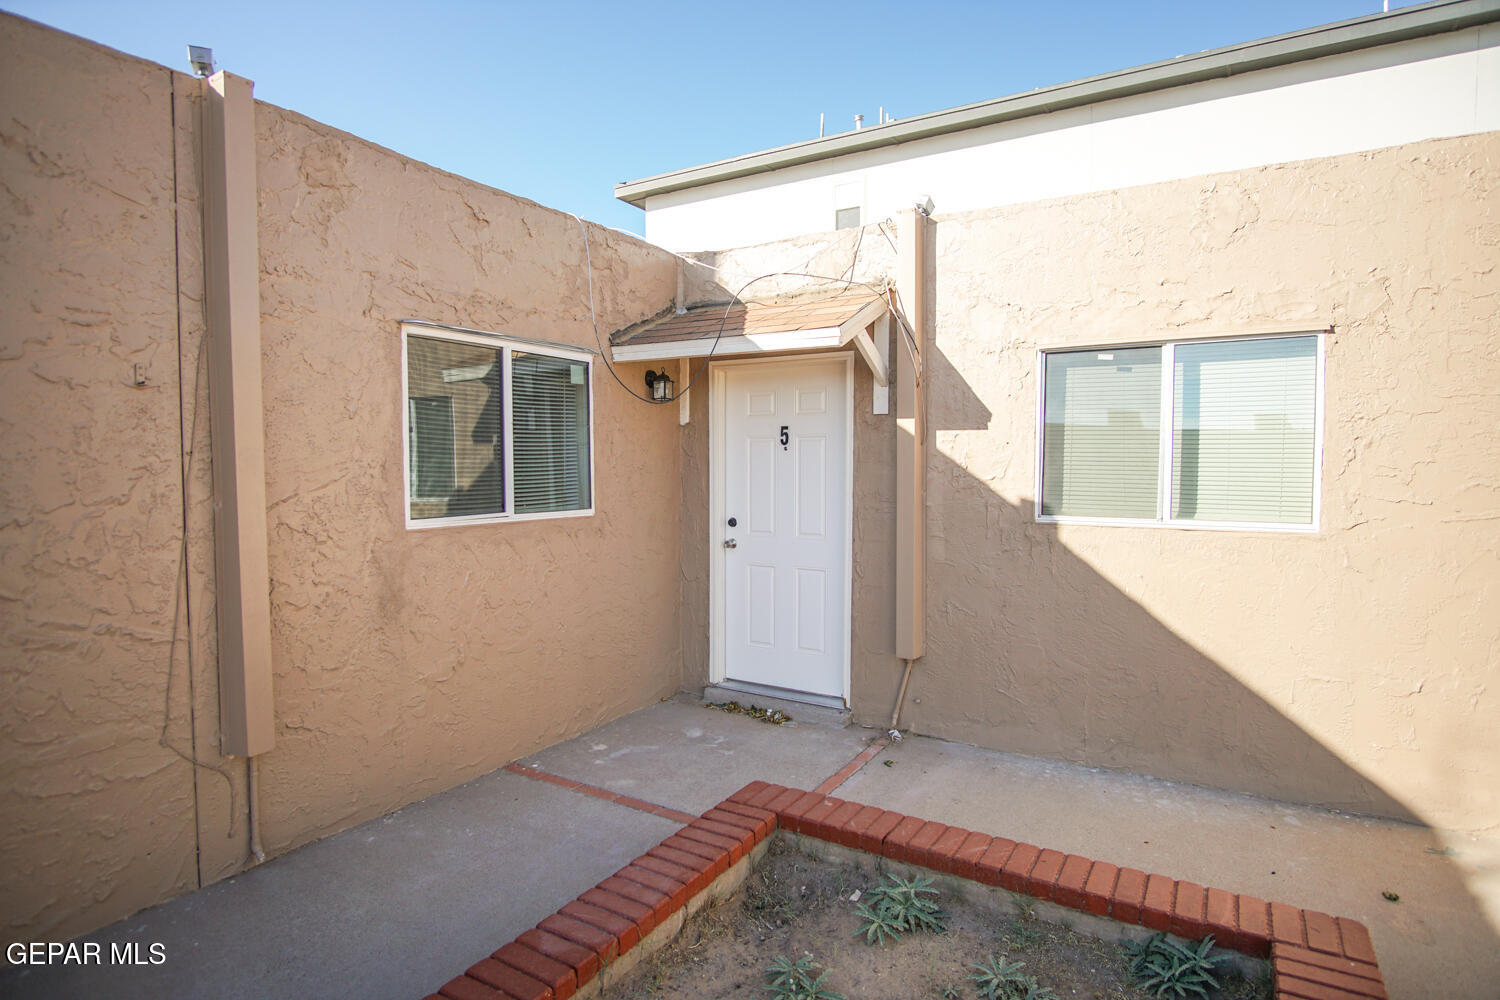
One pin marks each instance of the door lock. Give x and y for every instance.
(730, 543)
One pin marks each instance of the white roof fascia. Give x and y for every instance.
(854, 330)
(754, 343)
(1280, 50)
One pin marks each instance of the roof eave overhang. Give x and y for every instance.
(1246, 57)
(853, 331)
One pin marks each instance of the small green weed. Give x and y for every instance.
(878, 927)
(1001, 979)
(1036, 991)
(1022, 933)
(1164, 968)
(795, 980)
(900, 906)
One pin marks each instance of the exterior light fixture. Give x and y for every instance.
(202, 58)
(659, 384)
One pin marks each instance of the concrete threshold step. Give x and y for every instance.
(822, 712)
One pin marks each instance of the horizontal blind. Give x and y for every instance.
(1102, 437)
(430, 447)
(1243, 430)
(455, 432)
(549, 433)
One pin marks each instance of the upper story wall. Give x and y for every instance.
(1424, 88)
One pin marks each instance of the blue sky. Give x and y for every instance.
(559, 101)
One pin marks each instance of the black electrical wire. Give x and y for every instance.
(847, 280)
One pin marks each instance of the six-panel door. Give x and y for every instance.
(785, 486)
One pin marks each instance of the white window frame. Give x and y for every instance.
(505, 345)
(1164, 458)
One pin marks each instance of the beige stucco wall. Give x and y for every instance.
(1353, 668)
(414, 660)
(405, 662)
(96, 815)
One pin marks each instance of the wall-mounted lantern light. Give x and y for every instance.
(659, 384)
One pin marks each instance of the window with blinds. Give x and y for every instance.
(1243, 430)
(1102, 433)
(433, 452)
(1192, 433)
(551, 433)
(495, 432)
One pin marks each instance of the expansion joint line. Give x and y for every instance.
(842, 775)
(641, 805)
(852, 768)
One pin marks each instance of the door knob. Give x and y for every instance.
(730, 543)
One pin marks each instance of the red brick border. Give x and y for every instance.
(1313, 956)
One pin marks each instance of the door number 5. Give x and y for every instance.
(784, 437)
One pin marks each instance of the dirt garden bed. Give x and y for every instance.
(607, 942)
(797, 905)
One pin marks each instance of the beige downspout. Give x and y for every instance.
(911, 445)
(231, 258)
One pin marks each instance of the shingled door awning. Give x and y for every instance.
(809, 324)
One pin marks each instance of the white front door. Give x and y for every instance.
(783, 528)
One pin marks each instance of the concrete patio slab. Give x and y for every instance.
(392, 908)
(397, 906)
(682, 754)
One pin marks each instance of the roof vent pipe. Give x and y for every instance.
(859, 121)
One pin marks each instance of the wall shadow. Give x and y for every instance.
(1031, 649)
(1042, 648)
(1068, 664)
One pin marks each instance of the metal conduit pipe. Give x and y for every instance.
(900, 700)
(252, 797)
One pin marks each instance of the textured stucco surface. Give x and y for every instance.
(1352, 668)
(95, 813)
(406, 662)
